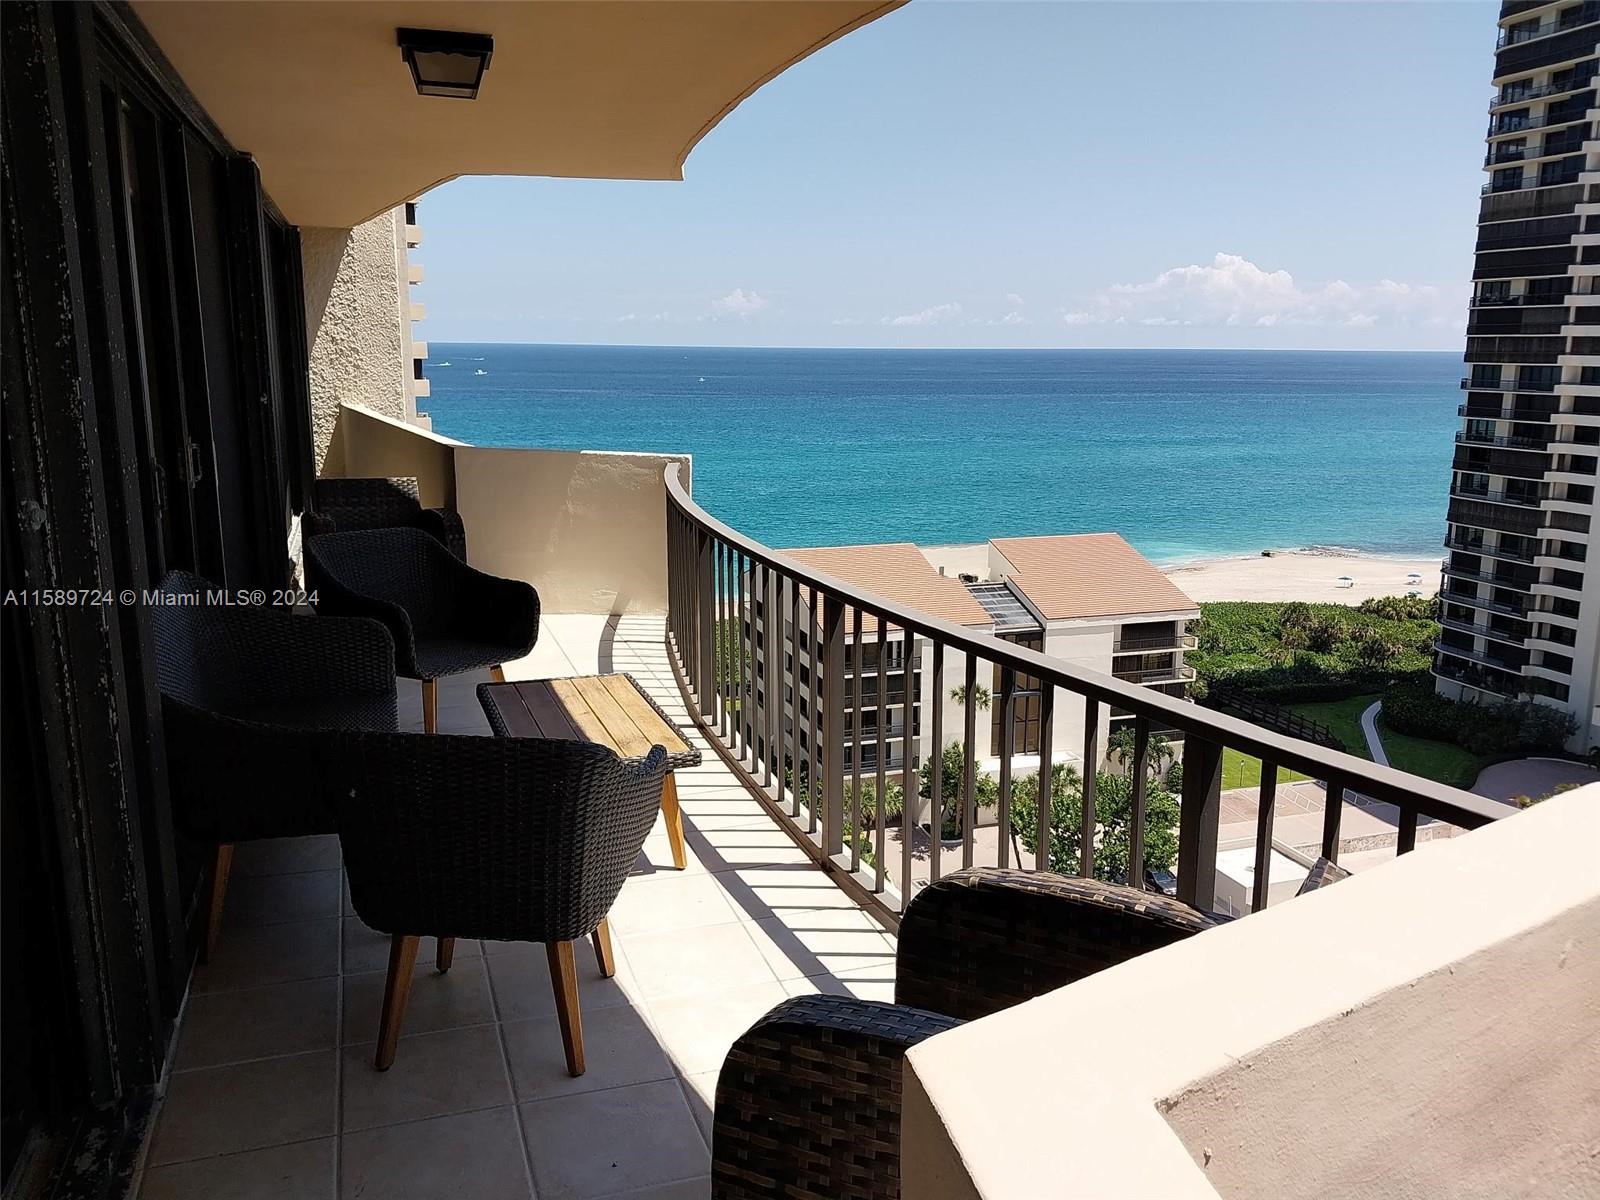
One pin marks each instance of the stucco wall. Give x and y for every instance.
(366, 444)
(587, 528)
(1425, 1028)
(357, 322)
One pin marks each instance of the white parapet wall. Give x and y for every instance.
(1430, 1027)
(585, 527)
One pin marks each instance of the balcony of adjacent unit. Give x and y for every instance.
(1576, 78)
(1145, 637)
(1147, 668)
(1493, 626)
(1547, 43)
(1510, 204)
(1550, 292)
(1559, 554)
(1486, 322)
(1509, 125)
(1568, 138)
(1557, 607)
(1562, 20)
(1559, 173)
(1480, 672)
(1490, 378)
(1506, 548)
(1502, 598)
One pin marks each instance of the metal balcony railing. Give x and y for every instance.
(1504, 414)
(1556, 87)
(1528, 182)
(1501, 551)
(1173, 674)
(1485, 631)
(1495, 496)
(1489, 439)
(1147, 645)
(716, 574)
(1569, 18)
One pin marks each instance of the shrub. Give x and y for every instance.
(1401, 608)
(1113, 821)
(1417, 710)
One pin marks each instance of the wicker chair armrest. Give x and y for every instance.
(808, 1101)
(507, 607)
(333, 598)
(446, 525)
(986, 938)
(323, 660)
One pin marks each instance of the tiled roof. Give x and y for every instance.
(897, 571)
(1089, 575)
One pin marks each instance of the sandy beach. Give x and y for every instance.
(1310, 575)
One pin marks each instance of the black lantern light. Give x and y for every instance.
(444, 63)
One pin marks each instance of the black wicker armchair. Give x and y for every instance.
(444, 616)
(341, 505)
(247, 695)
(808, 1101)
(512, 839)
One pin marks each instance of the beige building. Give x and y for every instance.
(1090, 599)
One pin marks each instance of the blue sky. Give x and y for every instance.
(1278, 174)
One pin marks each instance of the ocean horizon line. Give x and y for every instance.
(433, 342)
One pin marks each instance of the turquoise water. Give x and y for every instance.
(1187, 454)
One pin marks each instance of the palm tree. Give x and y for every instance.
(1158, 750)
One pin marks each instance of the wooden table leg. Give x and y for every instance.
(444, 954)
(674, 815)
(430, 705)
(497, 674)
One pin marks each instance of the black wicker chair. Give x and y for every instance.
(512, 839)
(341, 505)
(444, 616)
(247, 694)
(808, 1101)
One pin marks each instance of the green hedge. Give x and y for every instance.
(1480, 728)
(1291, 652)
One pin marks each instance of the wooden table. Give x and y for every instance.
(611, 710)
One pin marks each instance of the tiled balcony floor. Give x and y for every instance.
(272, 1091)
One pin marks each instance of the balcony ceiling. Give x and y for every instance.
(319, 94)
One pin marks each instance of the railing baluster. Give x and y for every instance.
(1406, 836)
(1138, 786)
(1332, 815)
(1047, 772)
(814, 626)
(1266, 810)
(881, 816)
(706, 685)
(969, 735)
(936, 766)
(789, 668)
(1091, 766)
(833, 726)
(720, 650)
(772, 672)
(1004, 703)
(741, 569)
(855, 739)
(1199, 812)
(908, 770)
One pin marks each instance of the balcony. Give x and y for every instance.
(1495, 551)
(1495, 496)
(1556, 87)
(1483, 630)
(1570, 18)
(276, 1045)
(1173, 674)
(1467, 436)
(1152, 645)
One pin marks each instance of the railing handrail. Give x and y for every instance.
(1379, 782)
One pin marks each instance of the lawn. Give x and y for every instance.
(1242, 771)
(1442, 762)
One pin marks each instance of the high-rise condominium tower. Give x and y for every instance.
(1522, 583)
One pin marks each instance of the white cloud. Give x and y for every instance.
(1014, 301)
(739, 303)
(939, 314)
(1232, 291)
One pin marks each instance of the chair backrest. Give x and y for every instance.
(521, 839)
(368, 503)
(986, 938)
(404, 567)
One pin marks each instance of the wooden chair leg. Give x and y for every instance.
(219, 890)
(430, 705)
(444, 954)
(674, 815)
(602, 949)
(396, 991)
(498, 674)
(564, 979)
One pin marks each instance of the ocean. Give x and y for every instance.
(1187, 454)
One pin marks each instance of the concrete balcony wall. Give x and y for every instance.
(1424, 1028)
(587, 528)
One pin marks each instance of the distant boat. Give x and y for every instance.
(443, 364)
(702, 379)
(480, 371)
